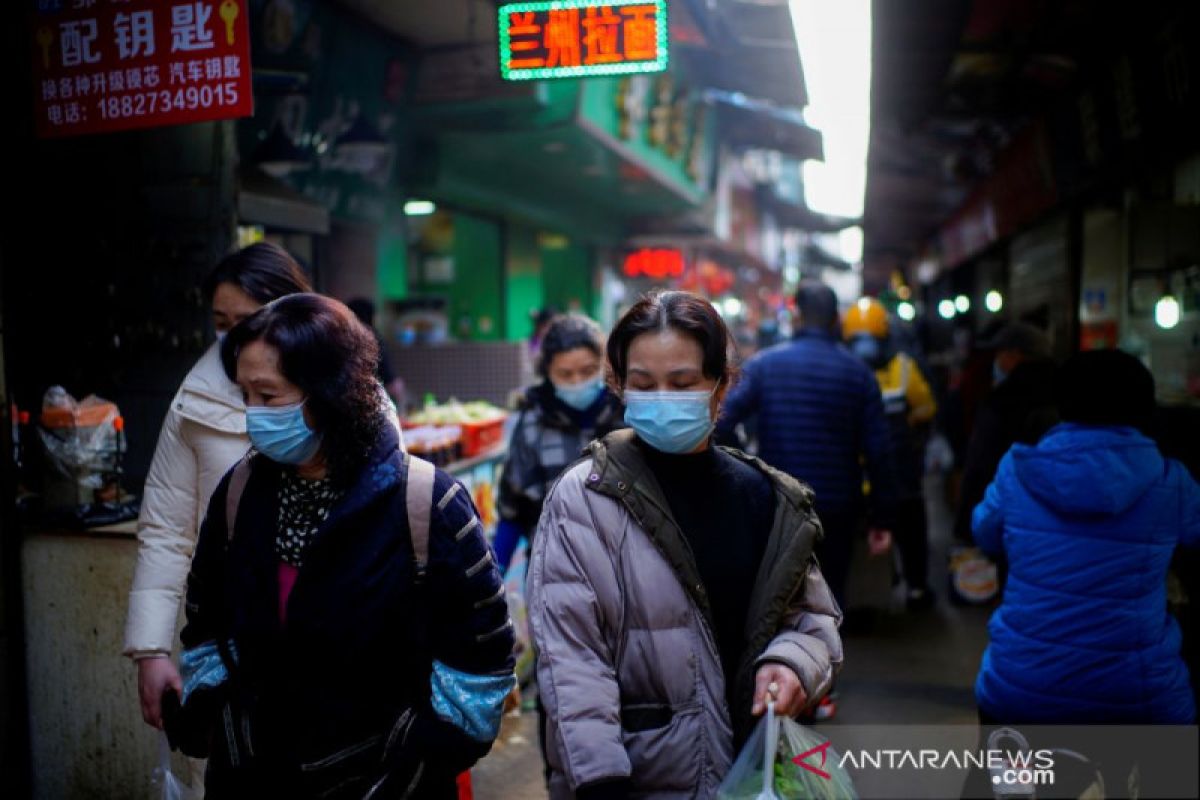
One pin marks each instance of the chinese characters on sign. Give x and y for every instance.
(110, 65)
(656, 263)
(578, 38)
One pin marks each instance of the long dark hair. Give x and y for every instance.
(687, 313)
(331, 356)
(264, 271)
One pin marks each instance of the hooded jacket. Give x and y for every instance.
(1088, 520)
(628, 664)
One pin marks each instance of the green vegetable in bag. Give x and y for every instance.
(791, 781)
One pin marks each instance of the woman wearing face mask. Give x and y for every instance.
(569, 408)
(673, 589)
(203, 435)
(347, 630)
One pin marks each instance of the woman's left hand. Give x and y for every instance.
(775, 681)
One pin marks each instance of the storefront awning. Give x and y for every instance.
(799, 216)
(263, 200)
(751, 124)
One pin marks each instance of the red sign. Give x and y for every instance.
(656, 263)
(111, 65)
(579, 38)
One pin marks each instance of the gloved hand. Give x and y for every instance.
(190, 727)
(423, 750)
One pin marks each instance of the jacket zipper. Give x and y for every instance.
(341, 755)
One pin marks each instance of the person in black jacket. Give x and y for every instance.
(1019, 409)
(329, 657)
(568, 408)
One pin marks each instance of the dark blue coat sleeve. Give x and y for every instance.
(472, 631)
(742, 402)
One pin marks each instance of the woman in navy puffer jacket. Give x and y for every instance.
(1088, 520)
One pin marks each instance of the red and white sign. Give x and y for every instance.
(111, 65)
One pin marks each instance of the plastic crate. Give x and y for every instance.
(479, 437)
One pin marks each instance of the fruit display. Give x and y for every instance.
(479, 426)
(456, 413)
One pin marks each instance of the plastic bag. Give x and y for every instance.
(83, 441)
(821, 777)
(939, 455)
(518, 612)
(163, 780)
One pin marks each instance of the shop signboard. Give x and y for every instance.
(112, 65)
(654, 262)
(582, 38)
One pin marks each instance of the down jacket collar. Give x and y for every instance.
(209, 398)
(620, 471)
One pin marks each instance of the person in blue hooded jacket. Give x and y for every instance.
(1088, 519)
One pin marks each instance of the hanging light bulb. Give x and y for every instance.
(1166, 312)
(947, 309)
(906, 311)
(994, 301)
(962, 304)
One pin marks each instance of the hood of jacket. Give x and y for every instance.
(208, 397)
(1084, 469)
(620, 471)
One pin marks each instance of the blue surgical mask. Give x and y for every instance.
(998, 374)
(671, 422)
(580, 396)
(281, 434)
(867, 348)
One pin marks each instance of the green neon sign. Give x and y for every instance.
(582, 38)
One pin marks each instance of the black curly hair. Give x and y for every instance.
(331, 356)
(569, 332)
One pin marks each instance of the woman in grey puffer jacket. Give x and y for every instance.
(673, 590)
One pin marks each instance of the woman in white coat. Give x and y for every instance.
(203, 435)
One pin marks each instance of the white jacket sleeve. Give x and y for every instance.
(166, 540)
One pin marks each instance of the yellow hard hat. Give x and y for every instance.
(866, 316)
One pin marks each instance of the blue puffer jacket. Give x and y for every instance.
(1088, 520)
(820, 413)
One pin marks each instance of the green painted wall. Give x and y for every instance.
(476, 296)
(567, 276)
(391, 276)
(524, 290)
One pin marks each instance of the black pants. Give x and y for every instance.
(912, 539)
(835, 551)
